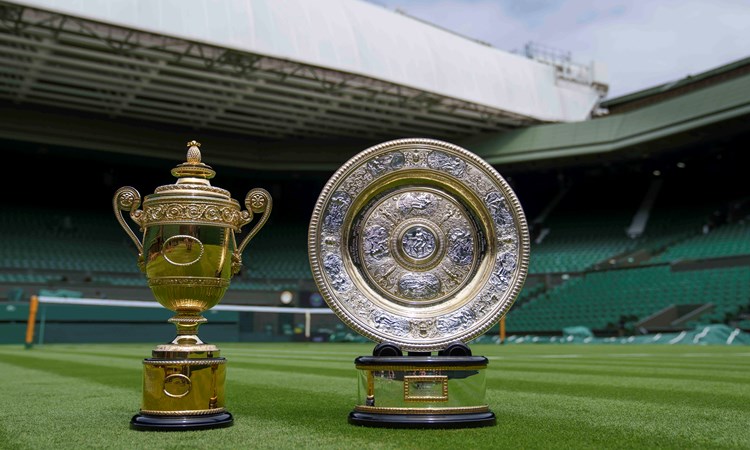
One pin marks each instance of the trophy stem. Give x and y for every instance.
(187, 323)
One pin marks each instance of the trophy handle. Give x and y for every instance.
(128, 198)
(256, 201)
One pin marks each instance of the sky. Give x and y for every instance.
(642, 43)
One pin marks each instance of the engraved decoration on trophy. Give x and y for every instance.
(188, 252)
(420, 246)
(419, 243)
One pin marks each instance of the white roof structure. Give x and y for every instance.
(277, 69)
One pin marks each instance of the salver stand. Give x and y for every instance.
(420, 246)
(421, 390)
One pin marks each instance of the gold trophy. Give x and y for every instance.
(189, 254)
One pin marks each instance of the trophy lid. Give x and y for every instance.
(193, 167)
(192, 175)
(192, 199)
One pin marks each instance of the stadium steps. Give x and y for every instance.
(727, 240)
(599, 299)
(573, 246)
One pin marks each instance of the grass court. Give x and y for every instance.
(294, 396)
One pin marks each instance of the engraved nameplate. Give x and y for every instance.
(426, 388)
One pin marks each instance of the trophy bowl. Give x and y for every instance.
(189, 254)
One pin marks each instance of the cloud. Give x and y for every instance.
(642, 43)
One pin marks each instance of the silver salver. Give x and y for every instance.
(419, 243)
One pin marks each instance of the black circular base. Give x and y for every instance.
(145, 422)
(485, 419)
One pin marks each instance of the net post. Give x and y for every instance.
(307, 325)
(33, 306)
(502, 330)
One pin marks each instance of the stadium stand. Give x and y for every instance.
(728, 240)
(610, 244)
(598, 300)
(585, 269)
(584, 229)
(281, 254)
(580, 270)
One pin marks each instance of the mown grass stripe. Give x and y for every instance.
(603, 350)
(682, 396)
(116, 375)
(635, 424)
(648, 372)
(61, 359)
(313, 359)
(97, 354)
(121, 353)
(64, 406)
(740, 388)
(291, 369)
(722, 359)
(301, 349)
(736, 364)
(299, 383)
(731, 361)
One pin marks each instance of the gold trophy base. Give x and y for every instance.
(147, 422)
(183, 388)
(421, 390)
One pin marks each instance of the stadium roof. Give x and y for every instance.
(252, 72)
(677, 87)
(659, 125)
